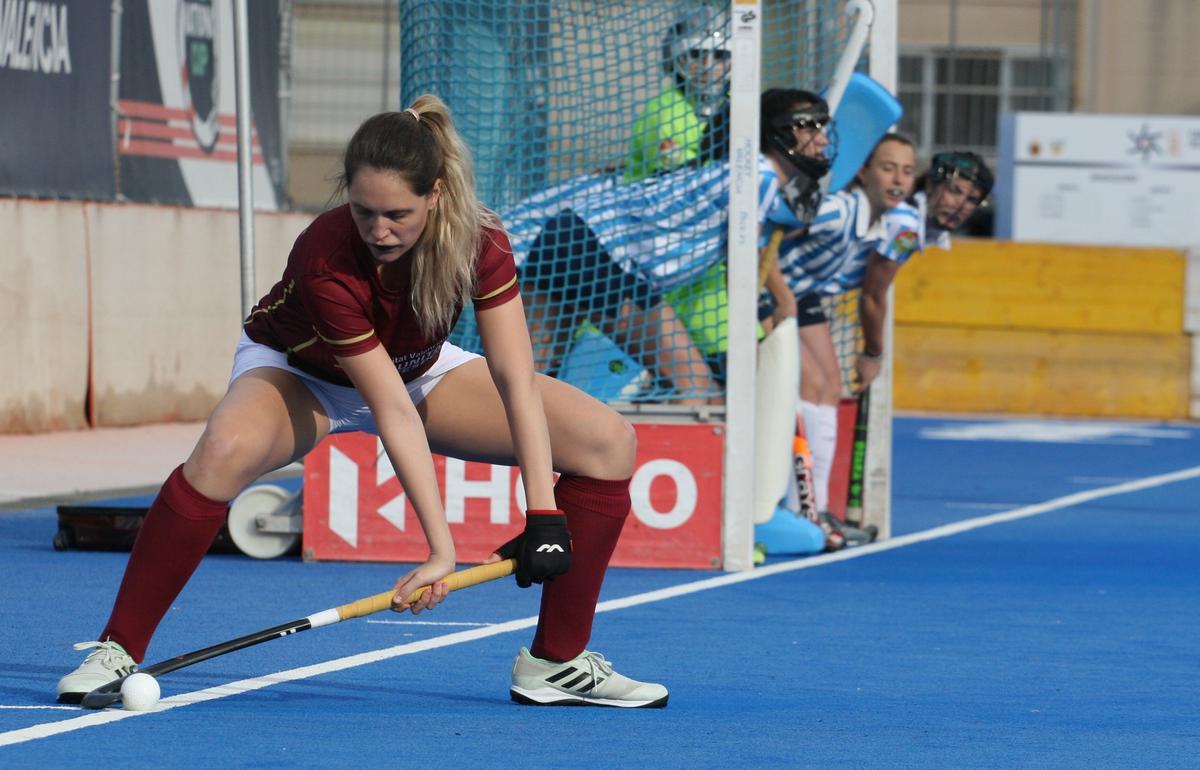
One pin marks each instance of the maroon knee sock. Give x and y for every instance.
(596, 511)
(177, 532)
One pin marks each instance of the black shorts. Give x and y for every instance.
(568, 263)
(809, 311)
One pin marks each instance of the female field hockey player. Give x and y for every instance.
(947, 196)
(354, 337)
(848, 221)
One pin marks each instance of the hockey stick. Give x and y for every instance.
(806, 491)
(110, 693)
(857, 40)
(858, 461)
(864, 16)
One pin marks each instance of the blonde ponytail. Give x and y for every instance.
(444, 258)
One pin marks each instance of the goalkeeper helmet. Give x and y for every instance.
(961, 165)
(696, 56)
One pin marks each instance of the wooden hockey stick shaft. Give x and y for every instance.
(110, 693)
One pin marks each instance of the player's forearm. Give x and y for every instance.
(777, 285)
(872, 310)
(531, 438)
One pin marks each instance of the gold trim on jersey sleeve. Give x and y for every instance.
(272, 307)
(302, 345)
(501, 290)
(350, 341)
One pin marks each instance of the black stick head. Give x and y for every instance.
(103, 696)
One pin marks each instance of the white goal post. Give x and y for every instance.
(747, 83)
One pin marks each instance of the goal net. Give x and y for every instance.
(602, 127)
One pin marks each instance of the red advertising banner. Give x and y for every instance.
(355, 509)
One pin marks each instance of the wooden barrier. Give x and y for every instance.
(995, 326)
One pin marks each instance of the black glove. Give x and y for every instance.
(543, 550)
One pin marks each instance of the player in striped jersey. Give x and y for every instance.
(848, 224)
(947, 196)
(606, 251)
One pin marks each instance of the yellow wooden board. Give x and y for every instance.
(1005, 285)
(1052, 373)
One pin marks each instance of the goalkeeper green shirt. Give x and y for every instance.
(667, 134)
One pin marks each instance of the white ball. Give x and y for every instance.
(139, 692)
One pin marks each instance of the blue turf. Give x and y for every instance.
(1064, 640)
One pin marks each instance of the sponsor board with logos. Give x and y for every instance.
(356, 510)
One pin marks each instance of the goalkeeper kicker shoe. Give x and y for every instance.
(109, 661)
(586, 680)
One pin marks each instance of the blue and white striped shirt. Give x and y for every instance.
(668, 228)
(904, 234)
(840, 231)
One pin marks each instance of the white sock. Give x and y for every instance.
(820, 424)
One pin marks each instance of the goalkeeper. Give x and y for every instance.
(688, 123)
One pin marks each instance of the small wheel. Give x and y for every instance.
(259, 502)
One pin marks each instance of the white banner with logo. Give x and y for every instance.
(1118, 180)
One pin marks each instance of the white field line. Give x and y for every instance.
(94, 718)
(427, 623)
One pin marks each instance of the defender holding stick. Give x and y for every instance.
(354, 338)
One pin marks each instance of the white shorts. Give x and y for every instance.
(343, 405)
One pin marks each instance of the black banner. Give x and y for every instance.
(55, 122)
(176, 129)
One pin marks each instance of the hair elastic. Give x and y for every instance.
(414, 113)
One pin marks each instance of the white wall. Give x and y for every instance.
(164, 309)
(43, 314)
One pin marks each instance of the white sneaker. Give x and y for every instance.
(586, 680)
(108, 662)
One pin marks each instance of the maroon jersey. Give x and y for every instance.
(331, 301)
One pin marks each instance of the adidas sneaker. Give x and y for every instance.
(109, 661)
(586, 680)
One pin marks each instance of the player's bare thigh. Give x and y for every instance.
(465, 418)
(820, 373)
(267, 419)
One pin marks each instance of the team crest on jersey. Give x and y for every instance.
(905, 243)
(198, 68)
